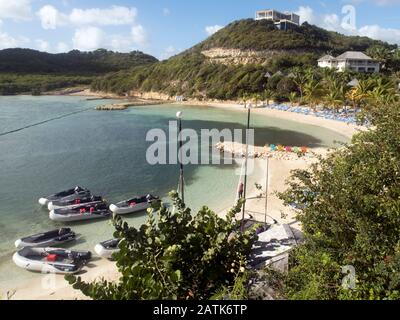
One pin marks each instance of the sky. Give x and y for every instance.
(166, 27)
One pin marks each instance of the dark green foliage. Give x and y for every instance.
(30, 71)
(262, 35)
(351, 216)
(36, 84)
(27, 61)
(175, 255)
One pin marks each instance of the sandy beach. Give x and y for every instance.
(50, 287)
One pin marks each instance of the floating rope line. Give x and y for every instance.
(43, 122)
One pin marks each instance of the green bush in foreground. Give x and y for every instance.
(175, 255)
(351, 217)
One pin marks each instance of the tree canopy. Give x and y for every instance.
(351, 217)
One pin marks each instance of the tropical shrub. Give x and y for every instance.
(350, 217)
(175, 255)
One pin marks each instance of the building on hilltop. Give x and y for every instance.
(283, 21)
(351, 60)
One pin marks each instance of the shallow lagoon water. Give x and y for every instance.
(106, 152)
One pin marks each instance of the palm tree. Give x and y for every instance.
(245, 98)
(300, 79)
(292, 98)
(359, 94)
(268, 95)
(383, 92)
(257, 97)
(334, 100)
(381, 54)
(313, 92)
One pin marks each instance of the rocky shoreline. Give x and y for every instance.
(125, 105)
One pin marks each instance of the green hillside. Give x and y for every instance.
(194, 75)
(26, 70)
(29, 61)
(262, 35)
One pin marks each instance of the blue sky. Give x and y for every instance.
(165, 27)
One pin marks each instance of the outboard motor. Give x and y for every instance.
(63, 231)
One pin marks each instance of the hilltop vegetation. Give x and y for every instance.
(27, 61)
(25, 70)
(262, 35)
(193, 74)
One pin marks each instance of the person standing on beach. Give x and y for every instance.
(241, 190)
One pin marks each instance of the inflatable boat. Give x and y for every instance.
(133, 205)
(67, 203)
(80, 213)
(106, 249)
(47, 239)
(70, 194)
(50, 260)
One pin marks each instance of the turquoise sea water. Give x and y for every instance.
(105, 152)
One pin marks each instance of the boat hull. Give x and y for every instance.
(129, 210)
(52, 206)
(19, 244)
(46, 267)
(43, 201)
(104, 252)
(75, 217)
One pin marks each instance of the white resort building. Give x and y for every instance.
(350, 60)
(283, 21)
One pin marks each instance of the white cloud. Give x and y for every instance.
(88, 38)
(376, 32)
(119, 43)
(51, 18)
(42, 45)
(306, 15)
(8, 41)
(62, 47)
(333, 22)
(113, 16)
(92, 38)
(168, 52)
(15, 9)
(210, 30)
(166, 12)
(170, 49)
(88, 35)
(381, 3)
(139, 35)
(386, 2)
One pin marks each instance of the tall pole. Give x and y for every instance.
(181, 177)
(246, 165)
(266, 195)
